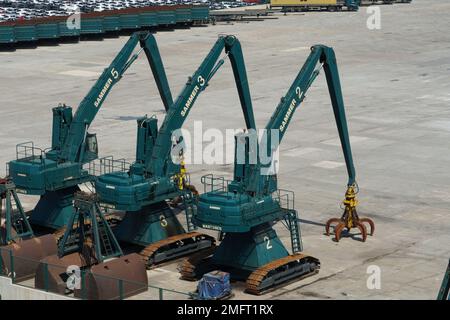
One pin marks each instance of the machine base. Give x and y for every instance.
(150, 224)
(54, 209)
(257, 257)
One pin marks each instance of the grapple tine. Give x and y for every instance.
(338, 230)
(328, 224)
(370, 222)
(363, 230)
(350, 218)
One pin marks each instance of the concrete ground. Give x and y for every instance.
(396, 88)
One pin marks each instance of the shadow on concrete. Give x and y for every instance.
(64, 40)
(92, 37)
(346, 234)
(314, 223)
(48, 42)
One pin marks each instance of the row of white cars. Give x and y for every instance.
(11, 10)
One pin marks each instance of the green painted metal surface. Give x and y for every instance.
(235, 212)
(150, 177)
(16, 225)
(149, 225)
(148, 19)
(47, 31)
(111, 23)
(64, 31)
(98, 24)
(249, 250)
(129, 21)
(353, 5)
(54, 208)
(167, 17)
(199, 13)
(54, 174)
(7, 34)
(86, 209)
(92, 26)
(183, 15)
(247, 207)
(25, 33)
(444, 291)
(143, 189)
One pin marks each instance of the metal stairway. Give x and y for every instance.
(105, 241)
(189, 208)
(294, 229)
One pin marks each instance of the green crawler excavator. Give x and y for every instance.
(244, 210)
(154, 180)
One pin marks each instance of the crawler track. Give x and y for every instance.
(188, 268)
(281, 272)
(177, 246)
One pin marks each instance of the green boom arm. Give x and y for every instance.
(178, 113)
(296, 94)
(87, 110)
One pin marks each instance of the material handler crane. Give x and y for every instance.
(244, 210)
(54, 174)
(154, 178)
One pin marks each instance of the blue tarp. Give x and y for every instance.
(214, 285)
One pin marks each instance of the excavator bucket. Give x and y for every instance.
(116, 279)
(21, 259)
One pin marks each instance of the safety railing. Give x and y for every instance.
(214, 184)
(285, 199)
(79, 283)
(107, 165)
(26, 151)
(211, 183)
